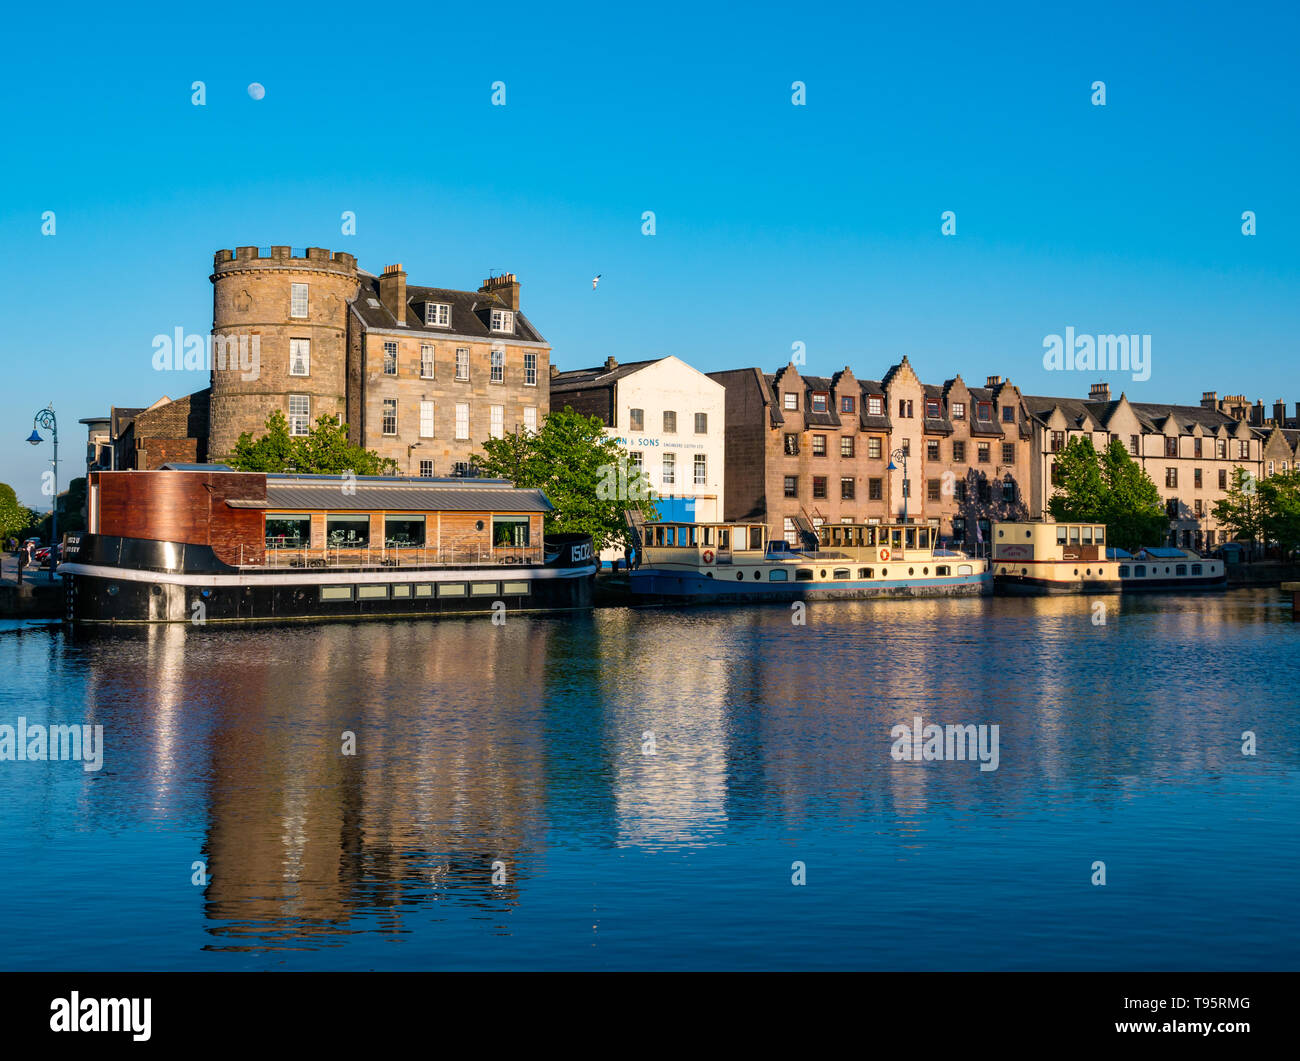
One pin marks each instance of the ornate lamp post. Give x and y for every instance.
(900, 455)
(46, 419)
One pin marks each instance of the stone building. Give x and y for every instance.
(1189, 451)
(840, 449)
(169, 431)
(421, 375)
(668, 417)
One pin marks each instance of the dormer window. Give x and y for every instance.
(875, 405)
(819, 400)
(847, 404)
(437, 315)
(984, 410)
(503, 320)
(932, 409)
(959, 410)
(790, 400)
(1008, 414)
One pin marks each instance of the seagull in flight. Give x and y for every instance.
(594, 281)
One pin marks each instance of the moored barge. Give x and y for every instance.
(721, 563)
(1049, 558)
(202, 544)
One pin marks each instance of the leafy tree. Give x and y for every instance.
(1109, 488)
(1083, 494)
(1240, 509)
(1279, 505)
(581, 470)
(325, 450)
(1133, 509)
(13, 516)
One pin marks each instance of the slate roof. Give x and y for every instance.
(575, 379)
(1151, 415)
(470, 312)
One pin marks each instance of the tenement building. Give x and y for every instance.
(1189, 451)
(668, 417)
(421, 375)
(840, 449)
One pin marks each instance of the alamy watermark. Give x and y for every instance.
(1098, 353)
(39, 743)
(179, 352)
(930, 743)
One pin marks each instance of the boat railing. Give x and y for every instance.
(390, 557)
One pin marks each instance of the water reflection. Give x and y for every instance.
(479, 746)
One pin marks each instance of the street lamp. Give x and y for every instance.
(46, 419)
(900, 454)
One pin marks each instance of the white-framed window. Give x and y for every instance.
(530, 370)
(498, 367)
(503, 320)
(426, 361)
(298, 300)
(701, 470)
(497, 422)
(426, 469)
(299, 414)
(462, 421)
(300, 357)
(530, 419)
(670, 469)
(390, 359)
(426, 419)
(437, 315)
(390, 416)
(790, 400)
(462, 363)
(875, 405)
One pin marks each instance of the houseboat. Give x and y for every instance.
(736, 562)
(1046, 557)
(203, 544)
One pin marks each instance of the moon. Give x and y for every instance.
(256, 90)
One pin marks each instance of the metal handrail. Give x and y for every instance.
(382, 558)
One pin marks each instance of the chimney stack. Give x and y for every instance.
(610, 363)
(1209, 399)
(1257, 413)
(555, 370)
(1279, 413)
(392, 291)
(1099, 392)
(993, 381)
(505, 287)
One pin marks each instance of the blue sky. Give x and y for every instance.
(775, 223)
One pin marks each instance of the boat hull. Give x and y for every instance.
(1028, 586)
(678, 587)
(126, 581)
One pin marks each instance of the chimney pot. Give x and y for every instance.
(993, 381)
(392, 291)
(1099, 392)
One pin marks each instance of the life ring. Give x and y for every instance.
(884, 554)
(708, 556)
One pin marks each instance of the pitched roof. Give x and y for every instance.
(1151, 415)
(469, 312)
(581, 378)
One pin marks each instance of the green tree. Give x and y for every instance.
(1240, 509)
(13, 516)
(582, 471)
(325, 450)
(1279, 505)
(1109, 488)
(1134, 511)
(1078, 476)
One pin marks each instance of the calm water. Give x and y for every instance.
(524, 745)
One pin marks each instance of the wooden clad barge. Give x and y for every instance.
(1051, 558)
(736, 563)
(205, 544)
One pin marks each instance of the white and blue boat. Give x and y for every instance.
(736, 562)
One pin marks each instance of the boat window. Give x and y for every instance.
(897, 534)
(1074, 535)
(1180, 569)
(724, 538)
(347, 532)
(964, 569)
(483, 589)
(1196, 569)
(1140, 571)
(1123, 570)
(508, 532)
(708, 535)
(1087, 535)
(1060, 535)
(911, 538)
(371, 592)
(424, 590)
(402, 589)
(778, 574)
(451, 589)
(336, 593)
(942, 570)
(288, 532)
(842, 572)
(864, 572)
(804, 574)
(1100, 534)
(514, 589)
(756, 537)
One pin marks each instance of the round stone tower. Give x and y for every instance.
(279, 339)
